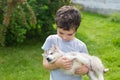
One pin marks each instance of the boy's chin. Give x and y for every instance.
(67, 40)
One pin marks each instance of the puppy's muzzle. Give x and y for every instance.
(49, 60)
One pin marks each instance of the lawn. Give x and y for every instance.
(23, 62)
(102, 37)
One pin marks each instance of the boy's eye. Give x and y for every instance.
(50, 53)
(70, 34)
(60, 32)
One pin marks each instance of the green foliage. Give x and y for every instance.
(2, 35)
(79, 6)
(115, 17)
(2, 29)
(15, 21)
(16, 34)
(24, 19)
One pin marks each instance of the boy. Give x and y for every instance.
(67, 20)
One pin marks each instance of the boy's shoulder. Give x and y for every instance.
(54, 36)
(79, 41)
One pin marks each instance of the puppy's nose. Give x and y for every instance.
(48, 59)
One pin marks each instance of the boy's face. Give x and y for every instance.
(65, 34)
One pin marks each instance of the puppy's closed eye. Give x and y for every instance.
(51, 53)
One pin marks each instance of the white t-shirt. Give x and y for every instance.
(66, 46)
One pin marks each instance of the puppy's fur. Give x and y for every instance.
(96, 68)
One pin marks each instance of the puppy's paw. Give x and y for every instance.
(106, 70)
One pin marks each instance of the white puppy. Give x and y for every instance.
(96, 68)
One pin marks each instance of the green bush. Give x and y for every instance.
(115, 17)
(15, 34)
(24, 19)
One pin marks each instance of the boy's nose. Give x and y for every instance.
(64, 38)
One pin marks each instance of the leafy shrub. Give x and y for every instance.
(115, 17)
(79, 6)
(15, 35)
(2, 35)
(24, 19)
(17, 18)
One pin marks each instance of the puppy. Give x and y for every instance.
(96, 68)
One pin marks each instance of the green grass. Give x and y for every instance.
(103, 40)
(102, 37)
(22, 62)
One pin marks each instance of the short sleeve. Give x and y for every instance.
(84, 49)
(48, 43)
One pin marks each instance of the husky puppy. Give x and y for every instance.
(96, 68)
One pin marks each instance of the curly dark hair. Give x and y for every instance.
(68, 17)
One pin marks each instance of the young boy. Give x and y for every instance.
(67, 20)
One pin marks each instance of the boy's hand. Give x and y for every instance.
(64, 63)
(82, 70)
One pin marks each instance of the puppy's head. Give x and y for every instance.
(52, 54)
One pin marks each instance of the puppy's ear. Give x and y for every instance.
(44, 55)
(54, 47)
